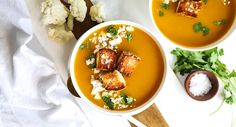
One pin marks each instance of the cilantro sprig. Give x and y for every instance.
(112, 30)
(129, 36)
(207, 60)
(219, 22)
(108, 102)
(164, 5)
(161, 13)
(126, 99)
(198, 27)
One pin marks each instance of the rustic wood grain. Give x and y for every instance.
(151, 117)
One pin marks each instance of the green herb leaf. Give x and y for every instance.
(221, 52)
(130, 100)
(124, 96)
(91, 56)
(197, 27)
(108, 102)
(161, 13)
(205, 30)
(82, 46)
(126, 99)
(164, 5)
(112, 30)
(88, 44)
(219, 22)
(91, 66)
(205, 1)
(129, 36)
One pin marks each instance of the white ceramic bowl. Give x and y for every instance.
(72, 61)
(167, 40)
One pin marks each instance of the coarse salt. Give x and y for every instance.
(200, 85)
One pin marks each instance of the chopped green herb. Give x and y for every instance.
(129, 36)
(112, 30)
(207, 60)
(205, 30)
(205, 1)
(82, 46)
(124, 96)
(108, 102)
(91, 66)
(219, 22)
(198, 27)
(164, 5)
(161, 13)
(130, 100)
(91, 56)
(88, 44)
(126, 99)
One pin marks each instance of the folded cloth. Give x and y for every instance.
(32, 93)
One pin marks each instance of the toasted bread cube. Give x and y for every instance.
(127, 63)
(189, 8)
(106, 60)
(113, 80)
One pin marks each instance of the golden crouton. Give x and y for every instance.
(189, 8)
(113, 80)
(106, 59)
(127, 63)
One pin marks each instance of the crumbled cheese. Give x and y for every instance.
(130, 28)
(116, 41)
(96, 71)
(200, 85)
(168, 1)
(97, 88)
(90, 61)
(97, 96)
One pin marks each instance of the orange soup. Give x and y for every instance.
(216, 15)
(140, 86)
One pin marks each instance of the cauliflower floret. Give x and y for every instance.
(54, 12)
(97, 13)
(78, 9)
(58, 33)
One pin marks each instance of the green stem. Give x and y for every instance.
(221, 104)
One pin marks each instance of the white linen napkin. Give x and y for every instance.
(32, 92)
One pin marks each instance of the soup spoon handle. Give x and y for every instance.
(134, 121)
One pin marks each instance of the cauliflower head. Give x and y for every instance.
(78, 9)
(97, 12)
(53, 12)
(58, 33)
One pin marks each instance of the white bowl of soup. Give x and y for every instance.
(193, 24)
(118, 67)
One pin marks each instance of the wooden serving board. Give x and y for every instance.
(151, 117)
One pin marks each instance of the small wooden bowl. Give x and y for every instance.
(214, 82)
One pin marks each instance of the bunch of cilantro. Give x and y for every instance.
(188, 61)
